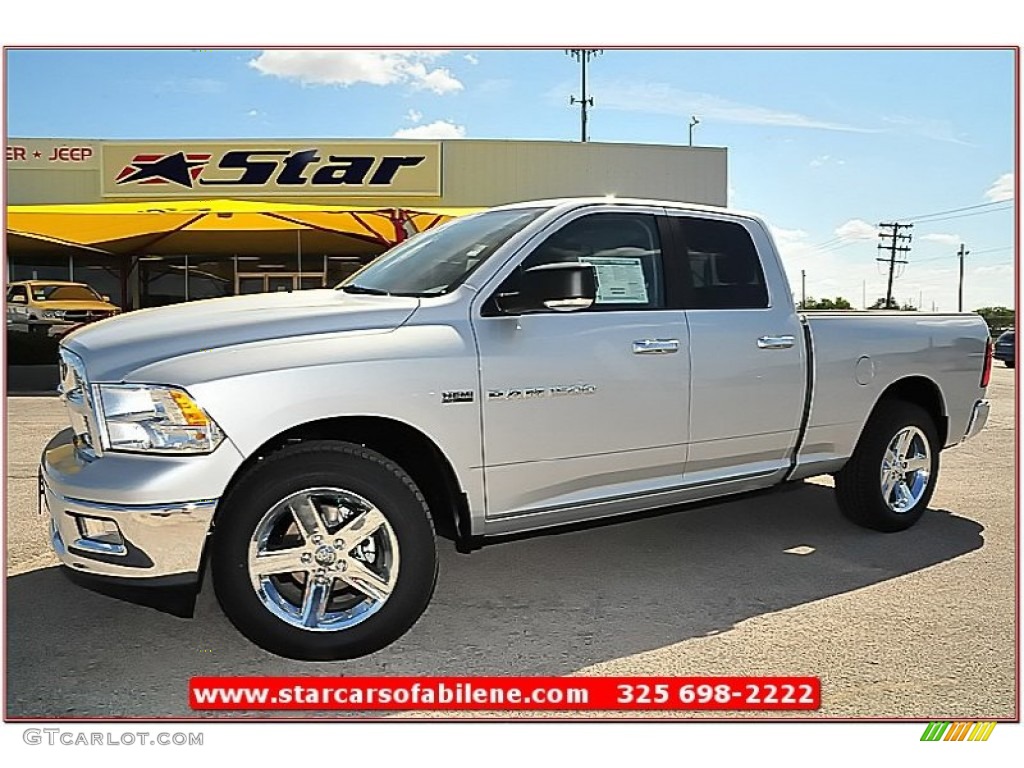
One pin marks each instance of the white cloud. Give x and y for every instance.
(471, 59)
(787, 235)
(413, 116)
(1001, 189)
(995, 270)
(927, 128)
(856, 229)
(253, 113)
(665, 99)
(436, 80)
(943, 239)
(821, 160)
(439, 129)
(344, 68)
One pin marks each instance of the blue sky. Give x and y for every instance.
(824, 144)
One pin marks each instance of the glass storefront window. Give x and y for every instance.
(38, 266)
(171, 279)
(162, 280)
(103, 274)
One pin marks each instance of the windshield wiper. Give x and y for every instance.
(364, 289)
(352, 288)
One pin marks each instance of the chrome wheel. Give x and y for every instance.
(323, 559)
(906, 469)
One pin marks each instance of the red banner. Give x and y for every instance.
(505, 693)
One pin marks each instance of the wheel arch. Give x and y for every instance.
(921, 391)
(409, 447)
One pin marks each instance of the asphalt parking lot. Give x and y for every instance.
(918, 624)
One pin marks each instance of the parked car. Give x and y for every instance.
(1006, 348)
(525, 367)
(54, 307)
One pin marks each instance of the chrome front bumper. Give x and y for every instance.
(979, 417)
(141, 538)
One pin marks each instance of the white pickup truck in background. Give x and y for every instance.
(525, 367)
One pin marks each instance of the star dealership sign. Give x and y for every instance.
(349, 169)
(180, 168)
(51, 154)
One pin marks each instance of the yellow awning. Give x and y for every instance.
(222, 226)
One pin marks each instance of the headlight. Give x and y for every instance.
(151, 418)
(57, 313)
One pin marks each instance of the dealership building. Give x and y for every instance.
(149, 223)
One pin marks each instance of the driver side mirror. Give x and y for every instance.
(560, 287)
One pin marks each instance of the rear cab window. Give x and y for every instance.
(723, 269)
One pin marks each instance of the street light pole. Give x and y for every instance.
(693, 122)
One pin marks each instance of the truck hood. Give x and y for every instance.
(112, 349)
(74, 306)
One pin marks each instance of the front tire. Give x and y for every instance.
(324, 550)
(887, 483)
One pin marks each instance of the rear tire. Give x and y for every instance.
(324, 550)
(887, 483)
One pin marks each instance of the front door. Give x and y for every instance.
(589, 405)
(273, 282)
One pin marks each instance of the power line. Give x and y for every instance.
(967, 215)
(953, 210)
(930, 218)
(976, 253)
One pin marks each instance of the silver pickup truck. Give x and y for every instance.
(528, 366)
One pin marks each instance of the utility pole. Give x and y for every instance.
(891, 232)
(693, 123)
(960, 301)
(803, 289)
(583, 56)
(863, 294)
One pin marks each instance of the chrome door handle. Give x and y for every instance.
(776, 342)
(655, 346)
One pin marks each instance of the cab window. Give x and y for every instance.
(624, 249)
(724, 269)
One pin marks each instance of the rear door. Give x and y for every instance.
(588, 405)
(746, 350)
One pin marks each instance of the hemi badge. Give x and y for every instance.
(457, 396)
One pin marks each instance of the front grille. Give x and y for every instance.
(85, 315)
(74, 391)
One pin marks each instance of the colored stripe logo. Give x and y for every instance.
(944, 730)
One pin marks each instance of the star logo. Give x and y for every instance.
(180, 168)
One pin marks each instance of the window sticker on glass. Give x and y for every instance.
(620, 279)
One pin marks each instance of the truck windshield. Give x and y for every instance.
(437, 260)
(64, 293)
